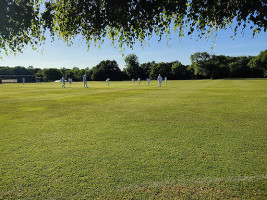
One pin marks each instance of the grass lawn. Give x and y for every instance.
(190, 139)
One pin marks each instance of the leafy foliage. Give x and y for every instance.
(106, 69)
(20, 25)
(180, 71)
(132, 68)
(5, 70)
(239, 67)
(203, 65)
(123, 22)
(18, 70)
(259, 63)
(77, 74)
(213, 66)
(161, 68)
(51, 74)
(145, 69)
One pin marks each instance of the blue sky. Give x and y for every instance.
(57, 54)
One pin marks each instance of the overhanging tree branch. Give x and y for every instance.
(124, 22)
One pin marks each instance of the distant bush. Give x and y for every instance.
(0, 80)
(51, 74)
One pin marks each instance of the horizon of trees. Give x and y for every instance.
(203, 66)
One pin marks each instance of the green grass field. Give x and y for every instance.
(196, 139)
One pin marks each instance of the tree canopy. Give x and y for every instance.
(106, 69)
(124, 22)
(19, 25)
(132, 68)
(259, 63)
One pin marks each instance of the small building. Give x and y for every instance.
(18, 78)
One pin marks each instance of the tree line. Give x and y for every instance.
(203, 66)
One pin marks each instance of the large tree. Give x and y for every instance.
(239, 68)
(210, 66)
(146, 69)
(123, 21)
(164, 69)
(106, 69)
(51, 74)
(132, 67)
(180, 71)
(259, 63)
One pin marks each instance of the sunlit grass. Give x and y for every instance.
(188, 139)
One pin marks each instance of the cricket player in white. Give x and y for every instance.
(23, 80)
(159, 80)
(63, 81)
(148, 81)
(84, 81)
(139, 80)
(108, 79)
(165, 80)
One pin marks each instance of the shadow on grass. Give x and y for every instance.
(236, 188)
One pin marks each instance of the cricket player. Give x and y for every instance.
(148, 81)
(159, 80)
(165, 80)
(84, 81)
(108, 79)
(139, 80)
(63, 82)
(23, 80)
